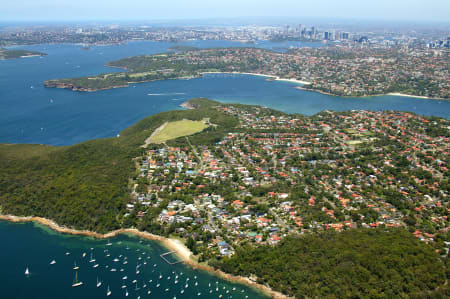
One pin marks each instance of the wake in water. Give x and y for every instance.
(166, 94)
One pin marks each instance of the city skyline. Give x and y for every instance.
(101, 10)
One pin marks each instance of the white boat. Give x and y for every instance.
(53, 262)
(108, 292)
(126, 293)
(109, 244)
(67, 253)
(76, 283)
(92, 259)
(75, 267)
(148, 292)
(113, 270)
(124, 286)
(134, 281)
(84, 254)
(95, 266)
(99, 283)
(27, 272)
(125, 277)
(158, 285)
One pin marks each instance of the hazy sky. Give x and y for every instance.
(56, 10)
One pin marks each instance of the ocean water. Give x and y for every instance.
(28, 245)
(31, 113)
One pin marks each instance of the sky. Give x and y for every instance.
(153, 10)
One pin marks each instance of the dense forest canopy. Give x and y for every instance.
(363, 263)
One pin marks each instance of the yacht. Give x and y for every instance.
(76, 283)
(27, 272)
(75, 267)
(53, 262)
(108, 292)
(99, 283)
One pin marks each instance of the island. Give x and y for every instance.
(16, 53)
(339, 204)
(335, 71)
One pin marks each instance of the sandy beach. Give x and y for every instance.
(172, 244)
(264, 75)
(398, 94)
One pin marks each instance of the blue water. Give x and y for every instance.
(31, 113)
(29, 245)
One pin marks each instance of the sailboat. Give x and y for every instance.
(126, 292)
(108, 292)
(109, 243)
(99, 283)
(27, 272)
(92, 259)
(75, 267)
(76, 283)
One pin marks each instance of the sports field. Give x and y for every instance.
(177, 129)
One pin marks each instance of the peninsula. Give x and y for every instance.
(332, 70)
(13, 54)
(284, 200)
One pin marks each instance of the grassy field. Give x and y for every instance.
(177, 129)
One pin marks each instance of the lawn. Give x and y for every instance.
(177, 129)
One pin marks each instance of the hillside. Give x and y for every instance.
(84, 186)
(352, 264)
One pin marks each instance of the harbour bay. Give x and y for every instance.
(33, 246)
(31, 113)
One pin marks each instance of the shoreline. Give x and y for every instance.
(170, 243)
(275, 78)
(395, 94)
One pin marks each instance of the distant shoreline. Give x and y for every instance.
(172, 244)
(275, 78)
(395, 94)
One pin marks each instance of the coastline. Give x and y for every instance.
(275, 78)
(172, 244)
(395, 94)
